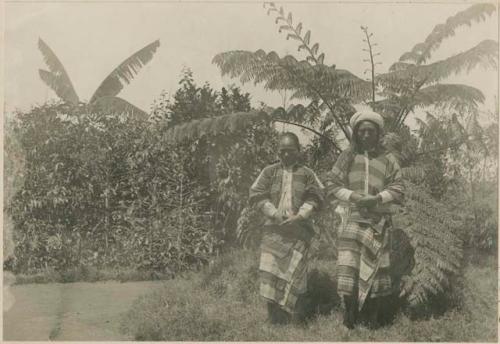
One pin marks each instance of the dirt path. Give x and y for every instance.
(72, 311)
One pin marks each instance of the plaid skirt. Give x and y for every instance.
(283, 264)
(363, 265)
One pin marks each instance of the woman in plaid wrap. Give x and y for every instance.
(287, 193)
(365, 179)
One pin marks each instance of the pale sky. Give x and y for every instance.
(92, 38)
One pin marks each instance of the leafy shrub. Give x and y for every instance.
(103, 190)
(106, 190)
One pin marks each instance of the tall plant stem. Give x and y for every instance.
(372, 63)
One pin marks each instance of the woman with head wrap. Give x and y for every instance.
(365, 179)
(287, 193)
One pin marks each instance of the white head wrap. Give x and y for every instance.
(367, 115)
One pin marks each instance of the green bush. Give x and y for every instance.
(110, 191)
(104, 191)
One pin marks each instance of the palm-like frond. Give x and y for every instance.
(431, 227)
(414, 174)
(460, 98)
(456, 131)
(431, 130)
(476, 134)
(402, 144)
(297, 113)
(59, 86)
(287, 73)
(118, 105)
(484, 54)
(389, 107)
(441, 134)
(421, 52)
(491, 139)
(456, 96)
(57, 78)
(125, 72)
(400, 66)
(214, 125)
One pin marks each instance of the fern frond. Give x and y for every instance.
(476, 134)
(287, 73)
(473, 127)
(414, 174)
(402, 144)
(295, 113)
(400, 66)
(458, 97)
(485, 54)
(307, 81)
(57, 78)
(438, 250)
(211, 126)
(421, 52)
(389, 107)
(125, 72)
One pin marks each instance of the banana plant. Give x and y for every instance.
(105, 98)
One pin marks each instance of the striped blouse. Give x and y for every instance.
(366, 174)
(290, 191)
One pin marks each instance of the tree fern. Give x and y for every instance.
(318, 82)
(414, 174)
(421, 52)
(402, 144)
(288, 73)
(457, 97)
(484, 54)
(432, 229)
(404, 85)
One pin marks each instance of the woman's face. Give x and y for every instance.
(367, 135)
(288, 151)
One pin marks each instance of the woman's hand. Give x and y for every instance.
(292, 219)
(278, 217)
(355, 197)
(369, 201)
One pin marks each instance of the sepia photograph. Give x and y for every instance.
(321, 171)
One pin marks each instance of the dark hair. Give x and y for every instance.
(291, 136)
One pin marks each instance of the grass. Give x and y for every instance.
(222, 304)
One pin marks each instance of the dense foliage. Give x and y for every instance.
(112, 190)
